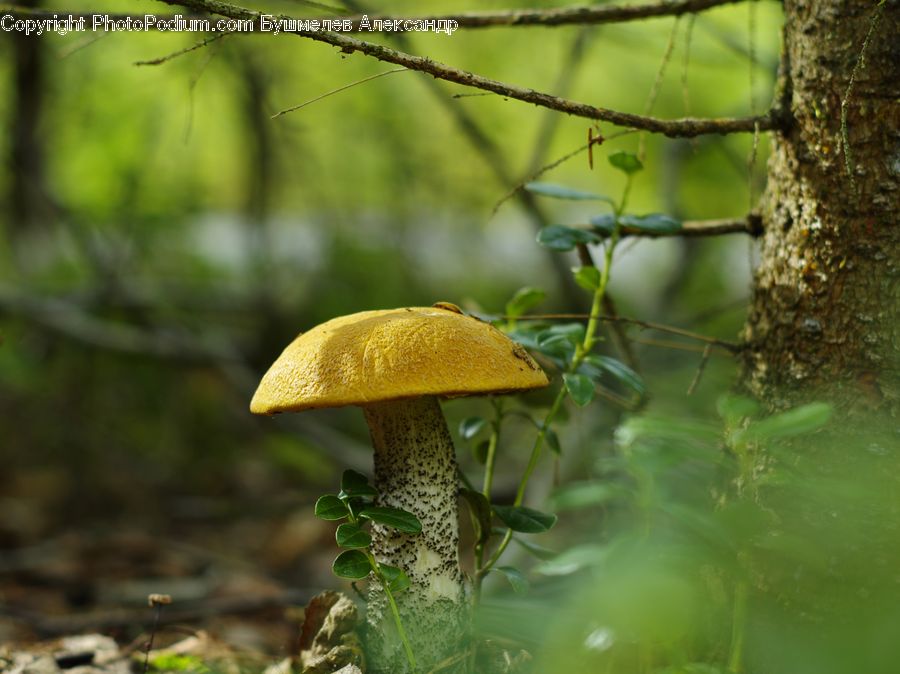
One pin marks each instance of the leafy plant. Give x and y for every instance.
(353, 506)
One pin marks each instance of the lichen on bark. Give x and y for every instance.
(824, 319)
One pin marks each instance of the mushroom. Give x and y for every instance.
(395, 364)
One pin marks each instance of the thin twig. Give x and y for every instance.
(552, 165)
(685, 91)
(657, 84)
(560, 16)
(752, 225)
(181, 52)
(700, 368)
(675, 128)
(729, 346)
(339, 90)
(580, 15)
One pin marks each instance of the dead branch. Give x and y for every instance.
(674, 128)
(581, 15)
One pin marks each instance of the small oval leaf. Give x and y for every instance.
(604, 224)
(398, 519)
(525, 520)
(552, 440)
(516, 578)
(481, 513)
(352, 536)
(560, 238)
(587, 277)
(396, 579)
(580, 388)
(627, 162)
(594, 366)
(470, 427)
(654, 223)
(351, 564)
(356, 484)
(330, 507)
(562, 192)
(524, 300)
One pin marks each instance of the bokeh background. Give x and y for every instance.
(165, 237)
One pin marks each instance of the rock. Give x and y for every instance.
(328, 640)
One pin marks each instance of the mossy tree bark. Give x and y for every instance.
(824, 319)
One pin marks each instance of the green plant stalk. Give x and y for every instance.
(373, 563)
(491, 459)
(410, 657)
(581, 351)
(738, 622)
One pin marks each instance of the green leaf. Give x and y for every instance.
(733, 408)
(538, 551)
(481, 513)
(604, 224)
(585, 495)
(356, 484)
(398, 519)
(396, 579)
(351, 564)
(524, 300)
(352, 536)
(574, 559)
(552, 440)
(562, 192)
(654, 223)
(330, 507)
(470, 427)
(794, 422)
(627, 162)
(580, 388)
(480, 451)
(587, 277)
(560, 340)
(561, 238)
(516, 578)
(595, 365)
(525, 520)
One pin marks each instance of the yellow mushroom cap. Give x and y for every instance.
(376, 356)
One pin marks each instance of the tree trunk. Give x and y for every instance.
(824, 319)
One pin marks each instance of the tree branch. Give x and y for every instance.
(675, 128)
(751, 225)
(561, 16)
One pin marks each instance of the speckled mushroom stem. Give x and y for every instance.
(415, 469)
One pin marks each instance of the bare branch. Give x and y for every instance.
(587, 14)
(338, 90)
(675, 128)
(187, 50)
(751, 225)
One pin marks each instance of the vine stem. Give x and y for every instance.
(738, 620)
(411, 658)
(587, 344)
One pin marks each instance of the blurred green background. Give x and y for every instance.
(164, 239)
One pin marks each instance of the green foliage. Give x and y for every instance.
(562, 192)
(627, 162)
(525, 520)
(174, 662)
(580, 388)
(560, 238)
(351, 564)
(524, 301)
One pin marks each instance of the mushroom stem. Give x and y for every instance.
(415, 469)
